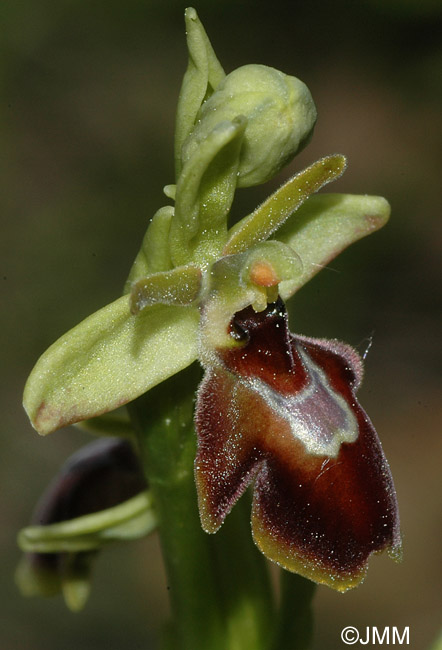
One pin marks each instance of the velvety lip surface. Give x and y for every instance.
(282, 410)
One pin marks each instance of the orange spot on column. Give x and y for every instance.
(263, 274)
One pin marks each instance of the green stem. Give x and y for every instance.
(295, 620)
(219, 588)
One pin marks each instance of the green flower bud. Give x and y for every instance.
(280, 118)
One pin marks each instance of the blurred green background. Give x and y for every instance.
(88, 95)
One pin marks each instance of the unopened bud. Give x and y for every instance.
(280, 118)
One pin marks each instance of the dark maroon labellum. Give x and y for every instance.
(281, 409)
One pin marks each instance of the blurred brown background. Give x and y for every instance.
(88, 94)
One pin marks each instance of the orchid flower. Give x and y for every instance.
(274, 409)
(280, 410)
(104, 477)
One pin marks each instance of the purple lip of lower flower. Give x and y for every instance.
(100, 475)
(282, 410)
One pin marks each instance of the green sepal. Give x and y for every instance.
(271, 214)
(180, 286)
(324, 226)
(109, 359)
(153, 256)
(204, 196)
(204, 73)
(129, 520)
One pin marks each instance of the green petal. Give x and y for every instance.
(324, 226)
(109, 359)
(203, 74)
(271, 214)
(180, 286)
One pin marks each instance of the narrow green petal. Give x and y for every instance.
(109, 359)
(324, 226)
(203, 74)
(180, 286)
(271, 214)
